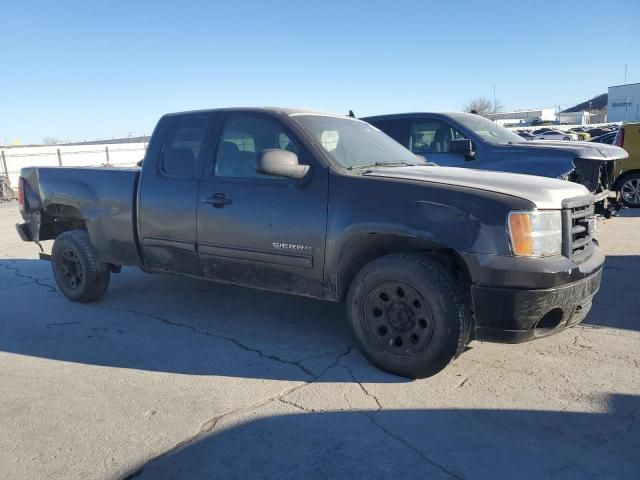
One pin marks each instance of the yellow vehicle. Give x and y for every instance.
(582, 136)
(628, 184)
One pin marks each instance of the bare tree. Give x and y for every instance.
(50, 140)
(484, 107)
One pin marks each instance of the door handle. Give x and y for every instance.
(218, 200)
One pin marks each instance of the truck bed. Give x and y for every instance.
(104, 198)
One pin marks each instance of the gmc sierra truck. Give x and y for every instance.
(426, 258)
(471, 141)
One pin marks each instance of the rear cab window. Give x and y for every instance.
(184, 147)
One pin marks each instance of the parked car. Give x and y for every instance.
(628, 137)
(607, 138)
(557, 135)
(329, 207)
(598, 131)
(582, 135)
(526, 135)
(471, 141)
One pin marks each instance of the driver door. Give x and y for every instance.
(259, 230)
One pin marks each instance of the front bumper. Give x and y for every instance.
(509, 310)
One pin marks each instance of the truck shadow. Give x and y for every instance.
(182, 325)
(179, 325)
(408, 444)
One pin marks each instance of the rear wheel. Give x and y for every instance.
(78, 273)
(408, 316)
(630, 190)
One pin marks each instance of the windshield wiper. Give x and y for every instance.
(386, 164)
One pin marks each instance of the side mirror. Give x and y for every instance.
(281, 163)
(464, 147)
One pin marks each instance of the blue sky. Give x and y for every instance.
(92, 69)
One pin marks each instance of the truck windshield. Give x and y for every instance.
(355, 144)
(489, 131)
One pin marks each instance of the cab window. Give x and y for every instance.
(242, 140)
(432, 136)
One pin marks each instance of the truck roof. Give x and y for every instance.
(419, 114)
(284, 110)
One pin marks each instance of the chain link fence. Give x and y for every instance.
(12, 159)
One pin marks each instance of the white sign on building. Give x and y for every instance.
(624, 103)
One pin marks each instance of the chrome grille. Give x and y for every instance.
(577, 215)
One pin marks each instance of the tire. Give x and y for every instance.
(408, 315)
(78, 273)
(630, 190)
(567, 138)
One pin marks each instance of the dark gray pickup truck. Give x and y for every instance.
(427, 258)
(471, 141)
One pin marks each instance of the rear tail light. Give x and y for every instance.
(619, 140)
(21, 194)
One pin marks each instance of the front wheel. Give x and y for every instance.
(408, 315)
(78, 273)
(630, 190)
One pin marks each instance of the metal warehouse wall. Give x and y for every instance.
(624, 103)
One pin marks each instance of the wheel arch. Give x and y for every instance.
(58, 218)
(363, 248)
(624, 176)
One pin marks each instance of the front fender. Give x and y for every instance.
(429, 226)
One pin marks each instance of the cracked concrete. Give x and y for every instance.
(8, 265)
(175, 378)
(196, 330)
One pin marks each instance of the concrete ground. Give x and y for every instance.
(174, 378)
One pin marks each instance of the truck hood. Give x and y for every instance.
(587, 150)
(544, 193)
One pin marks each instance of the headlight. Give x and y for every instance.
(537, 233)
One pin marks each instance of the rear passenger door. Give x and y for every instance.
(168, 194)
(259, 230)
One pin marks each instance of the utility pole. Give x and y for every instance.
(625, 73)
(4, 165)
(626, 109)
(494, 103)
